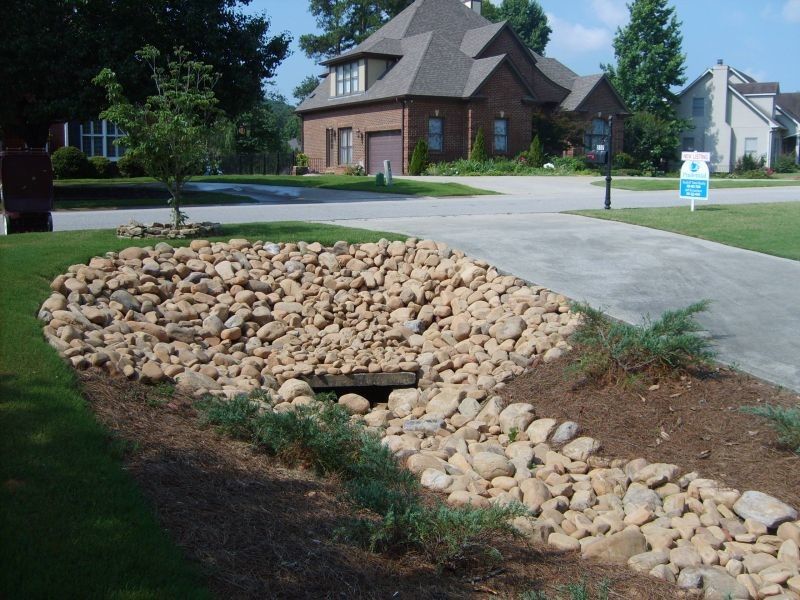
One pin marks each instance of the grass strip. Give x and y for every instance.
(74, 524)
(405, 187)
(189, 199)
(655, 185)
(770, 228)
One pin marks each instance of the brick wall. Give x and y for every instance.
(604, 100)
(361, 118)
(544, 89)
(503, 100)
(454, 119)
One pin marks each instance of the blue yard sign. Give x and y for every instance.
(694, 179)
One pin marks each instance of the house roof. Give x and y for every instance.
(436, 44)
(790, 104)
(748, 89)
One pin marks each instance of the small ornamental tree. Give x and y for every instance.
(419, 159)
(536, 152)
(172, 132)
(478, 153)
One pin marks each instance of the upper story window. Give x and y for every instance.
(435, 134)
(698, 107)
(97, 139)
(688, 144)
(347, 79)
(501, 135)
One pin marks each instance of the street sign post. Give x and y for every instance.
(694, 177)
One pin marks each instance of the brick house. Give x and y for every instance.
(439, 71)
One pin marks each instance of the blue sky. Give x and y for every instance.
(760, 38)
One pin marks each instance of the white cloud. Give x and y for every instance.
(791, 11)
(573, 38)
(612, 13)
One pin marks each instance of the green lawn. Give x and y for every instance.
(74, 524)
(404, 187)
(768, 228)
(190, 199)
(653, 185)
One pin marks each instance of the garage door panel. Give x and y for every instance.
(384, 145)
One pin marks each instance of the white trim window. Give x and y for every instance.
(435, 134)
(346, 146)
(698, 107)
(97, 139)
(501, 135)
(347, 79)
(751, 146)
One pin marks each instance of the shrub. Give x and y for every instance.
(786, 421)
(70, 163)
(749, 163)
(623, 160)
(130, 166)
(570, 164)
(301, 160)
(419, 159)
(536, 152)
(786, 163)
(355, 171)
(102, 168)
(380, 180)
(504, 166)
(617, 351)
(479, 153)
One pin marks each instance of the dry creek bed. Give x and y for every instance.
(227, 318)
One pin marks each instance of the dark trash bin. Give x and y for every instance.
(26, 191)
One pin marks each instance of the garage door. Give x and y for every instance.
(385, 145)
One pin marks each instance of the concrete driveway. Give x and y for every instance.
(627, 270)
(632, 271)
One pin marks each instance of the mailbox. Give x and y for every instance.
(597, 157)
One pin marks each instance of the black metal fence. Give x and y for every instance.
(258, 164)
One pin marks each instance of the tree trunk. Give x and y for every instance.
(176, 207)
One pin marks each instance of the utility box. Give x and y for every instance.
(26, 191)
(387, 172)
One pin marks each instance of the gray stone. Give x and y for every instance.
(565, 432)
(126, 299)
(765, 509)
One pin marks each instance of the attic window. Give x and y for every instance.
(347, 79)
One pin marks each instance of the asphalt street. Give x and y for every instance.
(627, 270)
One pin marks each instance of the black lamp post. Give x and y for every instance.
(609, 157)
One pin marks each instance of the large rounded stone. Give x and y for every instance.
(509, 329)
(617, 548)
(490, 465)
(292, 388)
(516, 417)
(357, 405)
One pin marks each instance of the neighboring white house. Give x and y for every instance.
(734, 115)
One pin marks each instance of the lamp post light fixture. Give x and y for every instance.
(609, 157)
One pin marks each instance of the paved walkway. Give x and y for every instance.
(630, 271)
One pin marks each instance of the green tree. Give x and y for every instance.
(346, 23)
(526, 17)
(53, 48)
(478, 152)
(419, 159)
(304, 88)
(651, 140)
(650, 60)
(557, 131)
(172, 130)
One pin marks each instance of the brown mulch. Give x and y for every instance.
(693, 422)
(261, 530)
